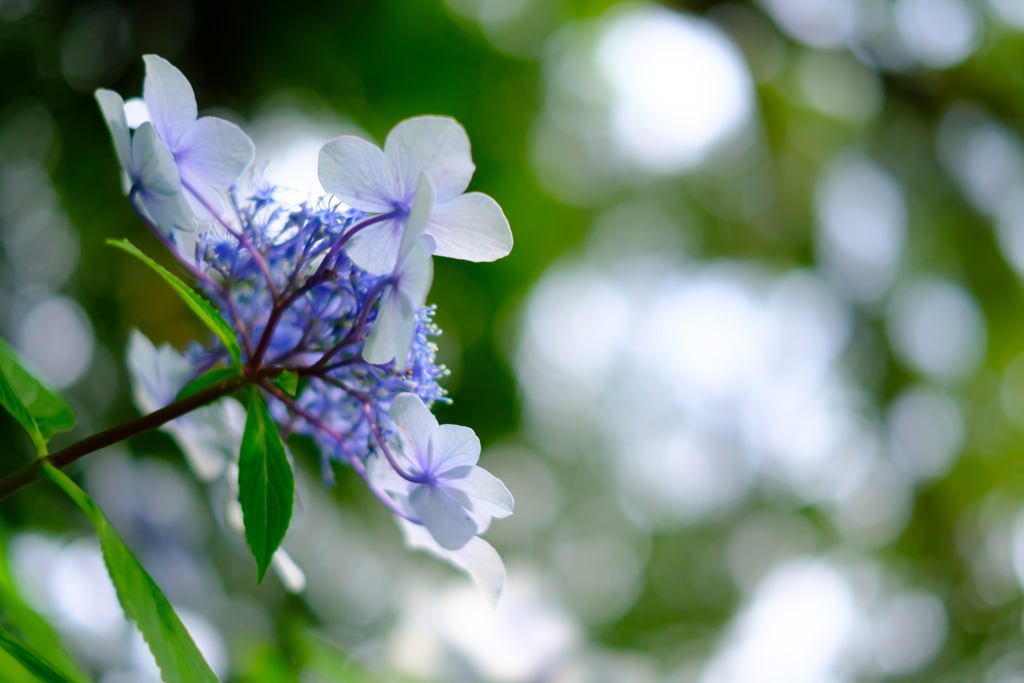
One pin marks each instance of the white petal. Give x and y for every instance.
(169, 98)
(452, 446)
(169, 211)
(419, 214)
(414, 423)
(472, 228)
(153, 164)
(292, 577)
(477, 558)
(215, 151)
(356, 172)
(449, 523)
(375, 248)
(209, 436)
(477, 490)
(157, 375)
(186, 241)
(392, 331)
(382, 474)
(416, 273)
(112, 107)
(437, 145)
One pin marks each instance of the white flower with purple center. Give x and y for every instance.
(434, 478)
(469, 226)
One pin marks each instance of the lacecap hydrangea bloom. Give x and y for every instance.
(325, 303)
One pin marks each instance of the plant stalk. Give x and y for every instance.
(29, 473)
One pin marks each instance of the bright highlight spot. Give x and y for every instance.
(861, 242)
(938, 329)
(819, 23)
(679, 87)
(940, 33)
(56, 336)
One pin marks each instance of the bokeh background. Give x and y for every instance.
(754, 370)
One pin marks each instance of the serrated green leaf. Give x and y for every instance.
(51, 412)
(33, 663)
(207, 379)
(288, 382)
(200, 306)
(266, 487)
(142, 600)
(10, 400)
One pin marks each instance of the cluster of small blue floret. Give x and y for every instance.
(294, 241)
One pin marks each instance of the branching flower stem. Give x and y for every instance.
(336, 248)
(242, 239)
(356, 332)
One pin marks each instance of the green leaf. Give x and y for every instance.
(200, 306)
(142, 600)
(49, 409)
(34, 663)
(266, 488)
(10, 400)
(33, 630)
(288, 382)
(207, 379)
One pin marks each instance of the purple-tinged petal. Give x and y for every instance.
(389, 330)
(356, 172)
(485, 493)
(215, 151)
(447, 521)
(375, 248)
(381, 473)
(395, 327)
(157, 374)
(436, 145)
(152, 164)
(452, 446)
(169, 98)
(472, 228)
(203, 197)
(169, 211)
(416, 274)
(419, 214)
(414, 423)
(112, 107)
(477, 558)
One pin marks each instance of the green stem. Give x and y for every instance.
(29, 473)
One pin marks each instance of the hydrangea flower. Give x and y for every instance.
(325, 295)
(434, 477)
(148, 170)
(467, 226)
(210, 152)
(392, 332)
